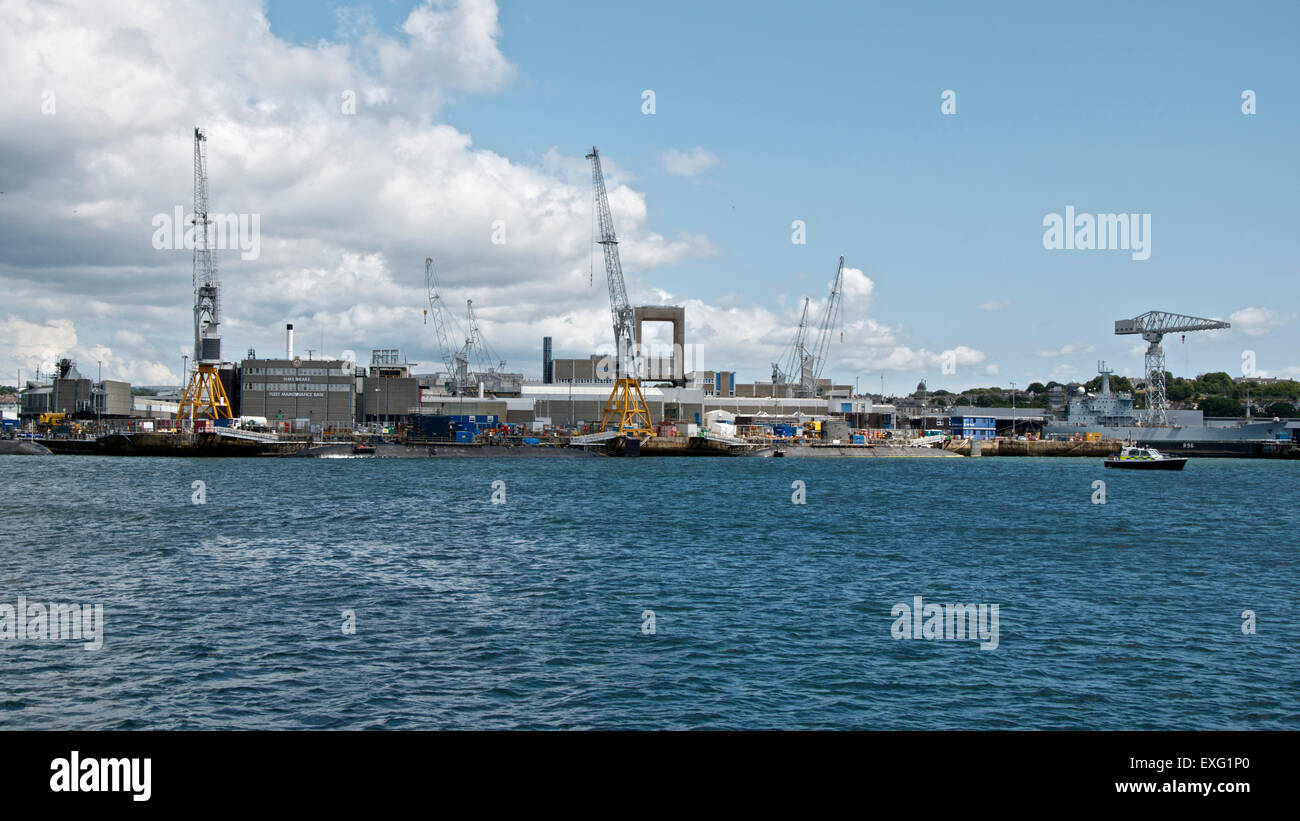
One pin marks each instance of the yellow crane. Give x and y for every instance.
(625, 411)
(204, 396)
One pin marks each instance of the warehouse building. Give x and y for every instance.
(309, 391)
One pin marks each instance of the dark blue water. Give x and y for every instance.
(767, 614)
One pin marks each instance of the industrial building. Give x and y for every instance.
(320, 391)
(389, 392)
(76, 395)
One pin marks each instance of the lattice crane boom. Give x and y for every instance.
(793, 360)
(619, 306)
(806, 364)
(1162, 322)
(830, 321)
(625, 411)
(488, 360)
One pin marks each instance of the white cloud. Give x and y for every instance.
(995, 305)
(920, 360)
(858, 288)
(1065, 350)
(688, 163)
(29, 345)
(350, 205)
(1259, 321)
(1064, 372)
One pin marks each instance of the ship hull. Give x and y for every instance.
(1146, 464)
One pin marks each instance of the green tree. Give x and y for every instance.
(1282, 409)
(1036, 387)
(1221, 406)
(1117, 383)
(1179, 389)
(1215, 384)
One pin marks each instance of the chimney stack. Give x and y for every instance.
(288, 341)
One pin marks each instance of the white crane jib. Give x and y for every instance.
(620, 308)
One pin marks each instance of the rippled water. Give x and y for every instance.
(767, 614)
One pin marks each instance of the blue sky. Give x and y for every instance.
(830, 114)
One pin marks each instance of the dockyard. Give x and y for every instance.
(635, 399)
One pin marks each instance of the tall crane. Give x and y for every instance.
(1153, 325)
(801, 362)
(455, 361)
(474, 361)
(204, 396)
(625, 411)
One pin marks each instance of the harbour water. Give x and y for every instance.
(533, 612)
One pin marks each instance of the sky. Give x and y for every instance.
(471, 120)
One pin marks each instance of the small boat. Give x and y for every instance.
(1140, 458)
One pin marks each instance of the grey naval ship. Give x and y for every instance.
(1189, 433)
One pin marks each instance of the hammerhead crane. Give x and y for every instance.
(1153, 325)
(625, 411)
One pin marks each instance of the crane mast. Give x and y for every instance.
(625, 411)
(204, 396)
(1153, 325)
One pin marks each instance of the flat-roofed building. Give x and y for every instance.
(322, 391)
(111, 398)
